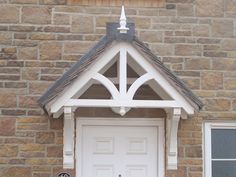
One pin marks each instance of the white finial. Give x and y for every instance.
(123, 28)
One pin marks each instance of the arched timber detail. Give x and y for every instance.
(138, 83)
(108, 84)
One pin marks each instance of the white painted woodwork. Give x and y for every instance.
(126, 147)
(68, 138)
(138, 83)
(159, 78)
(122, 95)
(122, 74)
(123, 28)
(108, 84)
(172, 145)
(122, 103)
(84, 78)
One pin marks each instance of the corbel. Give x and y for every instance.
(172, 145)
(68, 138)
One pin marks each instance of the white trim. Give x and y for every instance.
(158, 78)
(84, 78)
(139, 82)
(172, 144)
(108, 84)
(68, 138)
(94, 72)
(122, 103)
(152, 122)
(122, 74)
(208, 126)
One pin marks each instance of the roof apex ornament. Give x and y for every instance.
(123, 28)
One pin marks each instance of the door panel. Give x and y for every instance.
(119, 150)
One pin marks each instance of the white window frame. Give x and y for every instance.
(208, 126)
(147, 122)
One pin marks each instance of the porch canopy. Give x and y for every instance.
(119, 50)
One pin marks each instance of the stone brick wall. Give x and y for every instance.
(40, 39)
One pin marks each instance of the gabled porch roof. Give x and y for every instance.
(92, 55)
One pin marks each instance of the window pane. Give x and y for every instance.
(224, 143)
(224, 169)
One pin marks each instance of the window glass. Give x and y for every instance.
(223, 144)
(223, 168)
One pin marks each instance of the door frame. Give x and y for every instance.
(136, 122)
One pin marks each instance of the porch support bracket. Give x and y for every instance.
(172, 146)
(68, 138)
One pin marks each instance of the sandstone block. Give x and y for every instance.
(7, 100)
(28, 102)
(16, 172)
(54, 151)
(213, 8)
(15, 84)
(185, 10)
(82, 24)
(22, 28)
(50, 51)
(195, 151)
(212, 80)
(56, 124)
(24, 1)
(41, 161)
(38, 87)
(222, 28)
(163, 49)
(192, 83)
(8, 150)
(61, 19)
(7, 126)
(234, 104)
(36, 15)
(9, 50)
(42, 36)
(201, 30)
(229, 44)
(188, 50)
(32, 147)
(57, 29)
(224, 64)
(142, 23)
(197, 64)
(9, 14)
(151, 36)
(53, 2)
(218, 104)
(230, 84)
(28, 53)
(30, 74)
(45, 137)
(230, 5)
(77, 47)
(5, 38)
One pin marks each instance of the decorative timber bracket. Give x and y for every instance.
(68, 138)
(172, 131)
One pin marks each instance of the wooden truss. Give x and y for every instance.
(121, 98)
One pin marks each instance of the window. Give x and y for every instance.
(220, 149)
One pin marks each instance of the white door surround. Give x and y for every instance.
(150, 130)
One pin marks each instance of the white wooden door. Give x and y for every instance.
(119, 151)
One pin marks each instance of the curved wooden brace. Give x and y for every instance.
(140, 81)
(108, 84)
